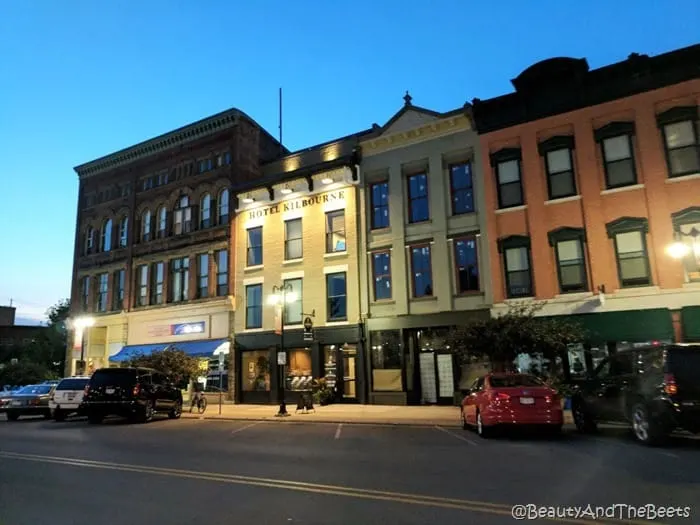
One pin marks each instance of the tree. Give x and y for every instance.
(174, 363)
(23, 373)
(500, 339)
(48, 348)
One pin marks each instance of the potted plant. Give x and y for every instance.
(322, 393)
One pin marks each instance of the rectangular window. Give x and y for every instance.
(518, 277)
(253, 306)
(421, 272)
(118, 290)
(292, 240)
(142, 285)
(102, 289)
(379, 202)
(560, 173)
(418, 207)
(255, 246)
(618, 161)
(571, 265)
(462, 188)
(222, 273)
(381, 270)
(682, 147)
(85, 293)
(202, 275)
(182, 220)
(466, 265)
(335, 231)
(510, 189)
(180, 275)
(337, 299)
(293, 310)
(689, 235)
(227, 158)
(157, 276)
(632, 260)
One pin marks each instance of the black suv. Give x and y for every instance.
(656, 389)
(135, 393)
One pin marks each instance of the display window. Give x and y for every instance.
(255, 368)
(298, 370)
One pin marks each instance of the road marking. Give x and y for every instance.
(670, 455)
(461, 438)
(336, 490)
(337, 432)
(245, 427)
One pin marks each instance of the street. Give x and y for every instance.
(221, 472)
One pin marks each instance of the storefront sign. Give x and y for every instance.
(297, 204)
(281, 358)
(187, 328)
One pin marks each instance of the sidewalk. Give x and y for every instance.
(444, 416)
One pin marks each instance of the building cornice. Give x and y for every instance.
(181, 136)
(429, 131)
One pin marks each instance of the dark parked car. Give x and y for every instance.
(32, 400)
(135, 393)
(655, 389)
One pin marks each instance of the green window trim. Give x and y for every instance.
(686, 216)
(566, 233)
(555, 143)
(513, 241)
(677, 114)
(614, 129)
(627, 224)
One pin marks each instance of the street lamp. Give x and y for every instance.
(280, 297)
(682, 250)
(79, 324)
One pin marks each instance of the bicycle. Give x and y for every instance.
(201, 405)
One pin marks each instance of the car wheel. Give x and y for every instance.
(94, 419)
(646, 430)
(12, 417)
(583, 421)
(59, 415)
(176, 411)
(482, 430)
(147, 413)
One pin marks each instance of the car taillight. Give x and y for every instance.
(670, 386)
(552, 398)
(137, 389)
(499, 396)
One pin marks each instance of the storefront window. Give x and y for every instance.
(298, 369)
(255, 369)
(386, 349)
(330, 366)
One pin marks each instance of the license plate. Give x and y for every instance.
(109, 391)
(527, 400)
(16, 403)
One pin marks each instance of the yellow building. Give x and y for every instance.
(297, 230)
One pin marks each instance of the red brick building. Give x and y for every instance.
(153, 263)
(593, 193)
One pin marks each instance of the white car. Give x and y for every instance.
(67, 396)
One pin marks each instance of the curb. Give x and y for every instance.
(408, 423)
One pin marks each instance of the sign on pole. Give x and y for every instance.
(308, 329)
(281, 358)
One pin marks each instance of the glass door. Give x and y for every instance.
(349, 353)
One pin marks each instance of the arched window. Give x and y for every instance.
(123, 232)
(162, 222)
(146, 226)
(106, 237)
(222, 213)
(182, 220)
(89, 240)
(205, 211)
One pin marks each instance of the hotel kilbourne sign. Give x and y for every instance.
(297, 204)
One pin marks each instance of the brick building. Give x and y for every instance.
(593, 195)
(153, 238)
(298, 228)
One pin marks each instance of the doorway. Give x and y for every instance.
(349, 370)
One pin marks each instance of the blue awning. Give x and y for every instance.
(203, 348)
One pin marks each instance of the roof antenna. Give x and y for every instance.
(280, 107)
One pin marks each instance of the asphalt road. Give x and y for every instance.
(217, 472)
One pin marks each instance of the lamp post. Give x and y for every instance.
(79, 325)
(680, 250)
(281, 295)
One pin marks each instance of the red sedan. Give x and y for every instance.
(511, 399)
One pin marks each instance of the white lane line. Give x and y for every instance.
(461, 438)
(337, 431)
(671, 455)
(245, 427)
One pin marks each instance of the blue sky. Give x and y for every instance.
(83, 78)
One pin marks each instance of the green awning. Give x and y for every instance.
(690, 320)
(634, 326)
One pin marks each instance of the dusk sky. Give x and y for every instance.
(82, 79)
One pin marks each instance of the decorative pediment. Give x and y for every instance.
(513, 241)
(613, 129)
(686, 216)
(677, 114)
(627, 224)
(566, 233)
(409, 117)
